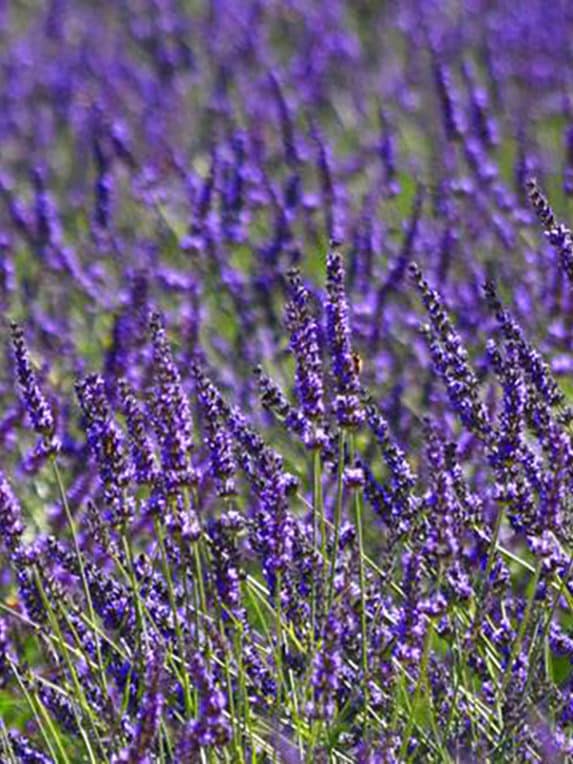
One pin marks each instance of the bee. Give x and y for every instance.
(357, 363)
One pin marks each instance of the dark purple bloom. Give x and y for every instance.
(103, 185)
(227, 563)
(537, 370)
(559, 235)
(273, 399)
(448, 98)
(403, 478)
(450, 360)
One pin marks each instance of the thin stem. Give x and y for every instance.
(128, 551)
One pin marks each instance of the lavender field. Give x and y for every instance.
(286, 384)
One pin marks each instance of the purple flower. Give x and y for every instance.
(450, 360)
(559, 236)
(537, 370)
(103, 186)
(399, 497)
(274, 400)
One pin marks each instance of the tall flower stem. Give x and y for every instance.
(337, 518)
(522, 628)
(176, 621)
(363, 594)
(479, 602)
(83, 577)
(421, 682)
(80, 694)
(318, 526)
(42, 717)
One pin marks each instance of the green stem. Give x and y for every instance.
(80, 694)
(128, 551)
(547, 625)
(317, 518)
(362, 575)
(42, 717)
(417, 692)
(279, 638)
(479, 602)
(176, 621)
(83, 576)
(7, 745)
(337, 518)
(522, 628)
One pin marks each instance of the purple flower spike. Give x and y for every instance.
(347, 404)
(11, 526)
(305, 346)
(35, 403)
(106, 442)
(171, 412)
(218, 440)
(140, 445)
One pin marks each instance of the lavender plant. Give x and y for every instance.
(285, 427)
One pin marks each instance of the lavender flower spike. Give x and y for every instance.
(560, 237)
(106, 442)
(171, 411)
(305, 347)
(11, 526)
(140, 445)
(347, 404)
(35, 403)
